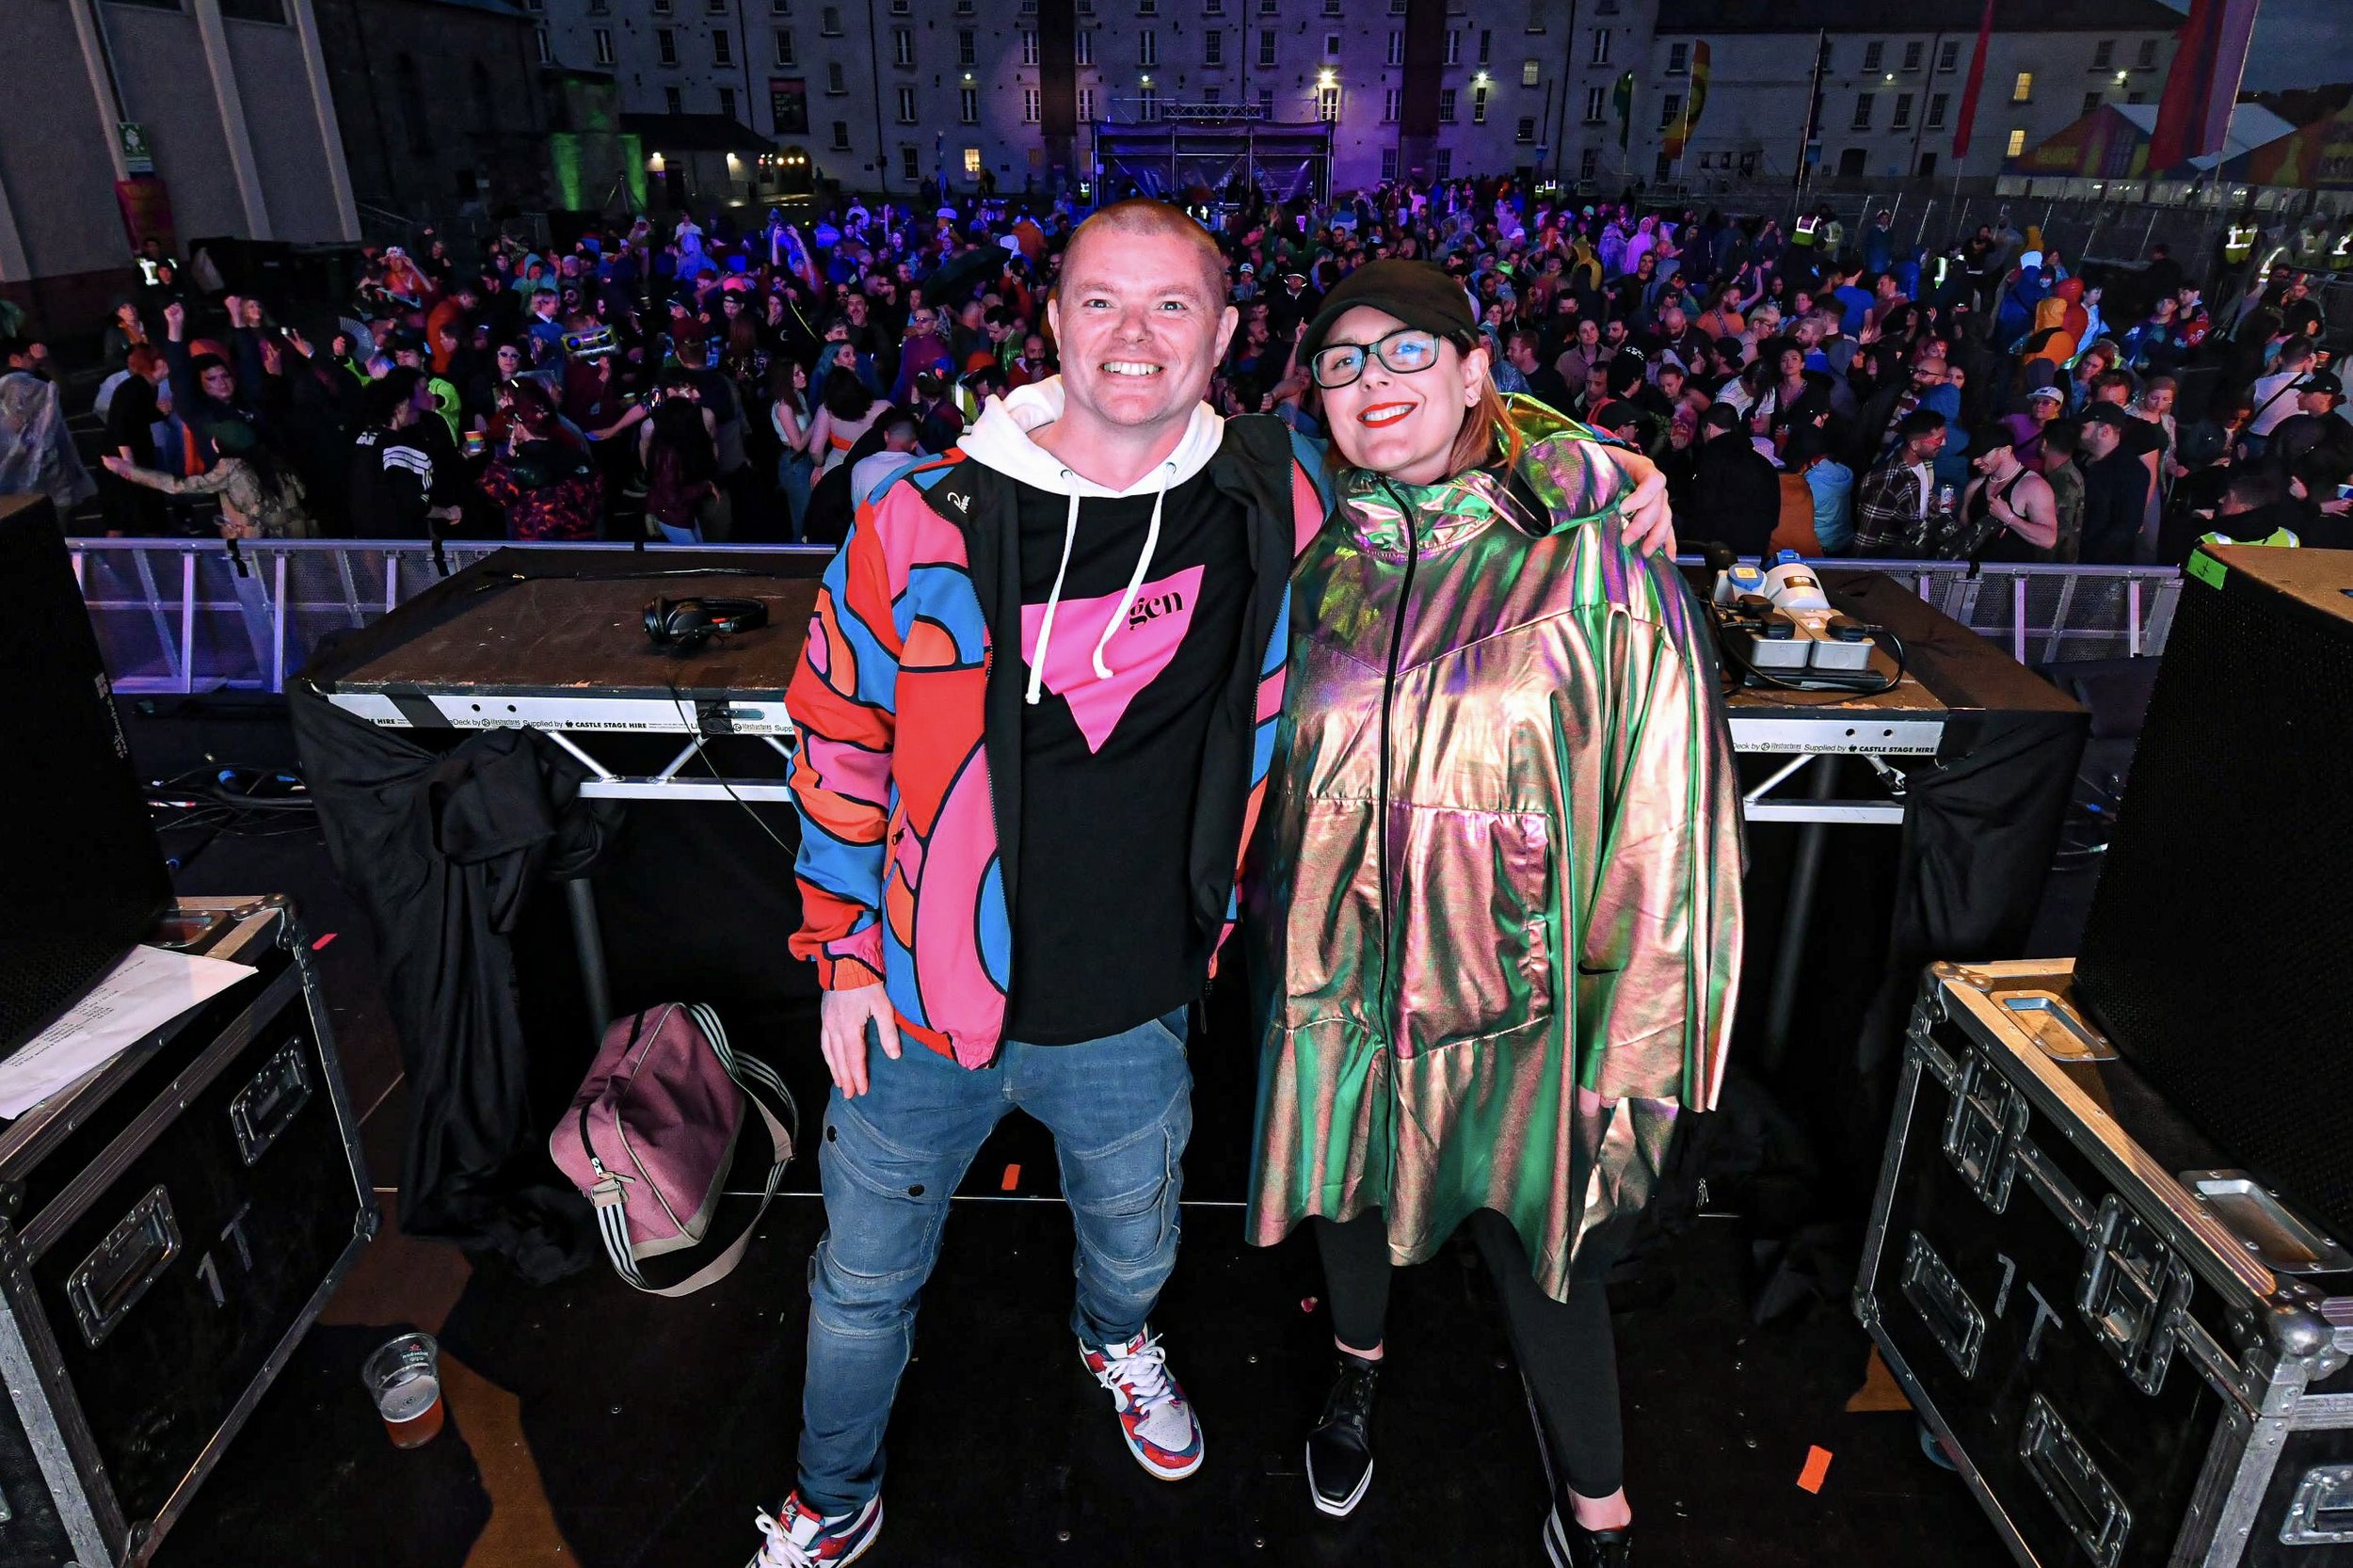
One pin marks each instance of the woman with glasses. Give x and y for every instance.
(1500, 914)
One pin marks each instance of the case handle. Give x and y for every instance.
(123, 1267)
(266, 1105)
(2090, 1508)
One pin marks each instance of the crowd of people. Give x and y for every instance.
(1832, 394)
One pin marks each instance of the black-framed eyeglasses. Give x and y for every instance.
(1404, 352)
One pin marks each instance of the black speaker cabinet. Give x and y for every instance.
(2221, 933)
(83, 877)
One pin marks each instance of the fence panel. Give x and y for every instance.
(194, 615)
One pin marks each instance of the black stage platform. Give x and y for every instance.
(597, 1426)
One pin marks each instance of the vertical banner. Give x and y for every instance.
(146, 211)
(788, 105)
(1678, 135)
(2194, 116)
(1971, 89)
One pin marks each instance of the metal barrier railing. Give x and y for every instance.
(196, 615)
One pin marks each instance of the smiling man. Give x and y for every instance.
(1035, 709)
(1030, 709)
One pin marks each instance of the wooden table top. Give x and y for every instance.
(585, 634)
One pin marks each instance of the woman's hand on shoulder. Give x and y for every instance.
(1650, 524)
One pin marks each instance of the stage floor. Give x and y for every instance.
(594, 1425)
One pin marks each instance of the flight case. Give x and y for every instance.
(170, 1226)
(2137, 1357)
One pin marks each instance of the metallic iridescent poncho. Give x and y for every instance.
(1499, 923)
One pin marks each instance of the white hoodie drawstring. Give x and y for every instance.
(1135, 581)
(1127, 602)
(1053, 599)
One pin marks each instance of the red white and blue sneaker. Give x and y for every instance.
(798, 1537)
(1154, 1416)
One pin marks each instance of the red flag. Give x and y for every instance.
(2194, 117)
(1970, 90)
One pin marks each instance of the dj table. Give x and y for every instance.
(1966, 722)
(551, 640)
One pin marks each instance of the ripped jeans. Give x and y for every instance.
(1120, 1109)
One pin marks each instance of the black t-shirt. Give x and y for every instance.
(2142, 437)
(1103, 933)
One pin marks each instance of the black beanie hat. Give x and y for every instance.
(1416, 293)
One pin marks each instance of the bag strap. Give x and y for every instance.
(751, 1075)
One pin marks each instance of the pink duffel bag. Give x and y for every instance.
(651, 1134)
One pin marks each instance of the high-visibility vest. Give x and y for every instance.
(2342, 256)
(1804, 234)
(2238, 244)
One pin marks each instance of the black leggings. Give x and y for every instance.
(1565, 1348)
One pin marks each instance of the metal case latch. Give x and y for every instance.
(1943, 1305)
(1983, 1130)
(2092, 1510)
(2322, 1512)
(2130, 1289)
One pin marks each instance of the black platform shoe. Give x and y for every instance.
(1339, 1449)
(1570, 1545)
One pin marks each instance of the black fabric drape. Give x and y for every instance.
(443, 849)
(1797, 1144)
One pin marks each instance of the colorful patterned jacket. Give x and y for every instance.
(906, 776)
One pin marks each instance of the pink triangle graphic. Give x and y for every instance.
(1136, 654)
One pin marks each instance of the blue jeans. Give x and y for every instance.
(1120, 1109)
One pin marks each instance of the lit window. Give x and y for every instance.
(2021, 90)
(1531, 73)
(2017, 143)
(971, 163)
(1328, 104)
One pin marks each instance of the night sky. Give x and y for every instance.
(2298, 43)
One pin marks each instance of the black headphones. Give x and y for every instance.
(686, 624)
